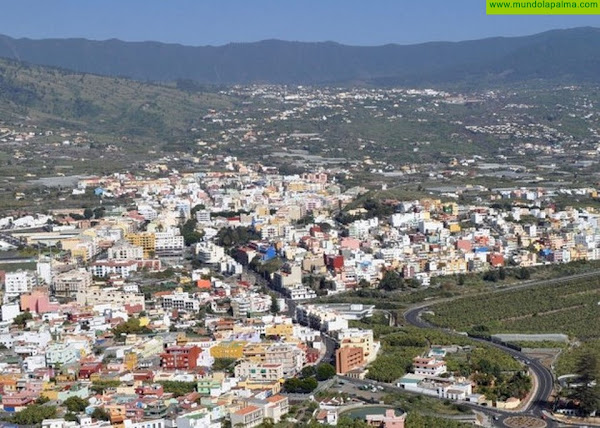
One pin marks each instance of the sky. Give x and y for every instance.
(217, 22)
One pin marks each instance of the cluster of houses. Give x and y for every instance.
(104, 272)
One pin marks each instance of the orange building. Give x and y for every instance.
(203, 284)
(348, 358)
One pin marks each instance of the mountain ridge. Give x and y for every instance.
(551, 54)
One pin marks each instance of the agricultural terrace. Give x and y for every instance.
(571, 308)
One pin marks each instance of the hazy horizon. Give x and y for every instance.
(351, 22)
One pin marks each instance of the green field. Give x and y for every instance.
(570, 308)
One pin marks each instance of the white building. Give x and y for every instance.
(170, 243)
(203, 216)
(259, 371)
(429, 366)
(122, 268)
(123, 250)
(68, 284)
(17, 283)
(10, 311)
(44, 271)
(180, 301)
(209, 253)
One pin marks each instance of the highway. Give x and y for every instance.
(543, 379)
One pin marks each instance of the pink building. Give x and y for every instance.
(429, 366)
(388, 420)
(464, 244)
(350, 244)
(38, 301)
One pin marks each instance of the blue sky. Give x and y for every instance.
(216, 22)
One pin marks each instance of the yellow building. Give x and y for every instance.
(234, 349)
(146, 240)
(281, 330)
(454, 227)
(274, 386)
(431, 204)
(81, 252)
(262, 210)
(182, 339)
(256, 352)
(149, 348)
(363, 339)
(131, 361)
(297, 186)
(92, 233)
(455, 266)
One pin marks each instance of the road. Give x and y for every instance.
(9, 239)
(330, 343)
(543, 378)
(535, 407)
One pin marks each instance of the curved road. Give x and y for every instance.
(543, 377)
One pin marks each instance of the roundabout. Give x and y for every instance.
(524, 422)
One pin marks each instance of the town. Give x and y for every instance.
(198, 304)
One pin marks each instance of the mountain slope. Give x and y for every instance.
(107, 105)
(560, 54)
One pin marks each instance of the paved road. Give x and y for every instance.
(543, 377)
(329, 342)
(9, 239)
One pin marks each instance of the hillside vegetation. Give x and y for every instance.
(105, 105)
(570, 308)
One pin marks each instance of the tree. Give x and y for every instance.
(234, 236)
(100, 385)
(325, 227)
(267, 423)
(588, 397)
(308, 371)
(131, 326)
(363, 283)
(221, 364)
(178, 388)
(75, 404)
(491, 275)
(347, 422)
(189, 232)
(71, 417)
(325, 371)
(100, 414)
(587, 393)
(587, 367)
(88, 213)
(22, 318)
(99, 212)
(42, 399)
(34, 414)
(302, 386)
(391, 281)
(274, 305)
